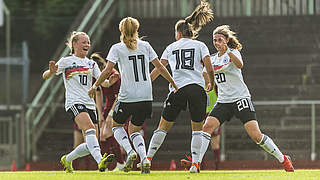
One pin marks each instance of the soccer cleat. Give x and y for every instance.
(195, 168)
(187, 162)
(287, 164)
(139, 164)
(145, 166)
(106, 159)
(67, 166)
(132, 156)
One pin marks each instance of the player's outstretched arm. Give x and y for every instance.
(103, 76)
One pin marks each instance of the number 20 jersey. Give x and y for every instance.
(231, 86)
(184, 57)
(77, 77)
(134, 70)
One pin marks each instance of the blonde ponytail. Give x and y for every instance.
(129, 32)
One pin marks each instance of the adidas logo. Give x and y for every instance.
(154, 148)
(166, 104)
(194, 153)
(140, 144)
(125, 137)
(95, 146)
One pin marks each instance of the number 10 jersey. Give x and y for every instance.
(77, 77)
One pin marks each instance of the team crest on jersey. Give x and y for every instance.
(90, 64)
(226, 60)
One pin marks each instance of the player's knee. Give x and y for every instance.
(207, 128)
(210, 125)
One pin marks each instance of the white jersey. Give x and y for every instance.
(134, 70)
(77, 77)
(228, 78)
(184, 57)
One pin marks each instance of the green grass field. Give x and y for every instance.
(164, 175)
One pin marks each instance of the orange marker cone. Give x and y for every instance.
(14, 166)
(28, 168)
(173, 165)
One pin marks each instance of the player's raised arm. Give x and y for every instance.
(51, 71)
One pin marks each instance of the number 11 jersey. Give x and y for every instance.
(184, 57)
(134, 70)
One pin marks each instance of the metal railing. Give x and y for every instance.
(50, 88)
(222, 8)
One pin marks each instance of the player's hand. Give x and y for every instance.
(91, 92)
(174, 86)
(209, 87)
(53, 67)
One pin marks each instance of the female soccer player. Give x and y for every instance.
(234, 98)
(77, 72)
(108, 143)
(185, 57)
(135, 98)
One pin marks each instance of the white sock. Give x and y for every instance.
(138, 143)
(79, 151)
(122, 138)
(206, 138)
(268, 145)
(196, 146)
(156, 141)
(93, 144)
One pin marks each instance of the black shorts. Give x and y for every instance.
(76, 109)
(192, 95)
(242, 109)
(139, 112)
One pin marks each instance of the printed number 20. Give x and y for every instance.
(221, 77)
(242, 104)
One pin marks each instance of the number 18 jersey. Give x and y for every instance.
(230, 83)
(134, 70)
(184, 57)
